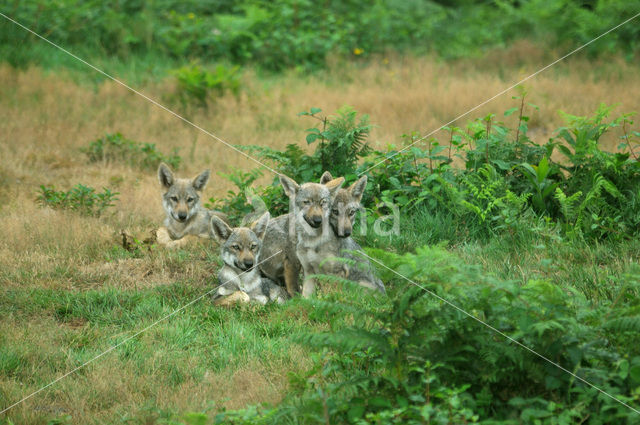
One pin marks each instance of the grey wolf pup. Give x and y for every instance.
(304, 233)
(185, 214)
(343, 212)
(240, 250)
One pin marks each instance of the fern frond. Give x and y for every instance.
(623, 324)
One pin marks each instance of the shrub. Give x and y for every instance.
(301, 34)
(413, 358)
(117, 148)
(506, 181)
(81, 198)
(591, 193)
(196, 84)
(340, 144)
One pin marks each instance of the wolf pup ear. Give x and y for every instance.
(326, 178)
(200, 181)
(335, 185)
(165, 176)
(260, 226)
(357, 189)
(289, 185)
(219, 230)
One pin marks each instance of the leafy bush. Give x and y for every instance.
(198, 84)
(412, 358)
(591, 193)
(117, 148)
(340, 144)
(301, 34)
(81, 198)
(239, 204)
(505, 183)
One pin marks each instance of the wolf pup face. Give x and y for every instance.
(345, 205)
(182, 196)
(240, 246)
(311, 201)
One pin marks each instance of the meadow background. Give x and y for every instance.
(482, 223)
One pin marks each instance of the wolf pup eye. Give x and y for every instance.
(352, 212)
(236, 247)
(190, 200)
(254, 246)
(306, 202)
(323, 202)
(174, 198)
(335, 212)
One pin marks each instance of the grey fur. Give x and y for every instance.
(240, 249)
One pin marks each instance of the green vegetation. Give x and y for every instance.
(539, 240)
(554, 228)
(301, 34)
(410, 358)
(507, 184)
(196, 84)
(117, 148)
(81, 198)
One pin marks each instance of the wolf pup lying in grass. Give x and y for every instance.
(240, 250)
(185, 214)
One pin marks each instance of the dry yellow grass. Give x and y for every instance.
(47, 118)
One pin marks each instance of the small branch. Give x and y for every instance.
(450, 142)
(626, 138)
(520, 118)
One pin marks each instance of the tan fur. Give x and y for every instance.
(186, 218)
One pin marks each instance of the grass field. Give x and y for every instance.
(68, 290)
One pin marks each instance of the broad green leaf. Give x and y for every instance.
(510, 111)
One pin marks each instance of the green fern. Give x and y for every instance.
(568, 204)
(624, 324)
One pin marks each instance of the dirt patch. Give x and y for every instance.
(128, 273)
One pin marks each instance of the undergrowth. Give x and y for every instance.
(80, 198)
(117, 148)
(505, 182)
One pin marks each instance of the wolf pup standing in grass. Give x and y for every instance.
(304, 233)
(240, 250)
(185, 215)
(343, 213)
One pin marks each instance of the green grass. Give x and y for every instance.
(134, 70)
(199, 340)
(203, 339)
(534, 252)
